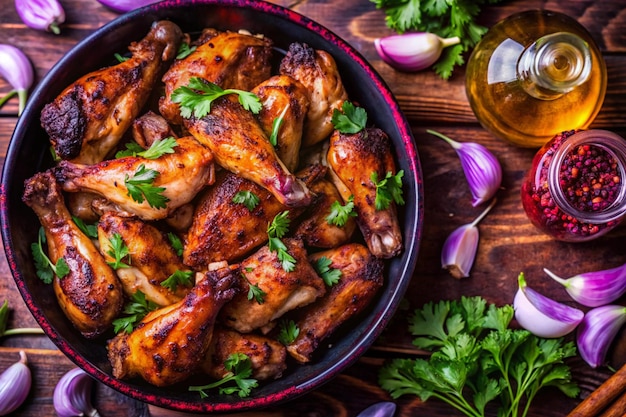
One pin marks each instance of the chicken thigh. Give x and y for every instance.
(352, 159)
(361, 278)
(179, 177)
(88, 119)
(90, 295)
(169, 344)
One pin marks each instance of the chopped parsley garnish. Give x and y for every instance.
(351, 119)
(184, 50)
(140, 187)
(45, 269)
(120, 58)
(136, 309)
(118, 251)
(254, 291)
(156, 150)
(339, 214)
(197, 96)
(388, 189)
(275, 231)
(276, 125)
(247, 198)
(288, 332)
(239, 367)
(183, 278)
(330, 275)
(176, 243)
(90, 230)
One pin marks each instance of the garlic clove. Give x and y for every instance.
(412, 51)
(16, 69)
(597, 331)
(481, 168)
(72, 395)
(15, 383)
(459, 249)
(593, 289)
(41, 14)
(541, 315)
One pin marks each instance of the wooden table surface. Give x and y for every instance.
(509, 243)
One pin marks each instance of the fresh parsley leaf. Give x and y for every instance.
(288, 332)
(176, 243)
(339, 214)
(351, 119)
(118, 251)
(90, 230)
(276, 125)
(197, 96)
(254, 291)
(388, 189)
(131, 149)
(330, 275)
(135, 310)
(156, 150)
(184, 50)
(247, 198)
(179, 277)
(278, 228)
(120, 58)
(45, 269)
(140, 187)
(239, 367)
(279, 225)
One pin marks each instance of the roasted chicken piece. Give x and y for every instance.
(361, 278)
(267, 356)
(225, 230)
(169, 344)
(317, 71)
(90, 295)
(228, 59)
(352, 159)
(181, 174)
(88, 119)
(287, 100)
(151, 259)
(314, 229)
(283, 291)
(240, 145)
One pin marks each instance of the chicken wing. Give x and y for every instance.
(317, 71)
(361, 278)
(240, 145)
(283, 290)
(228, 59)
(352, 159)
(151, 259)
(87, 120)
(287, 100)
(90, 295)
(169, 344)
(225, 230)
(181, 175)
(267, 356)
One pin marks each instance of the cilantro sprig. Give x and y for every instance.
(198, 95)
(156, 150)
(476, 359)
(135, 310)
(247, 198)
(388, 189)
(182, 278)
(445, 18)
(350, 119)
(45, 269)
(288, 331)
(118, 251)
(339, 214)
(278, 228)
(141, 187)
(330, 275)
(239, 367)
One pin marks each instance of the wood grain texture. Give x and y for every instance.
(509, 243)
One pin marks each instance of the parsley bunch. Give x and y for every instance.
(444, 18)
(476, 359)
(239, 367)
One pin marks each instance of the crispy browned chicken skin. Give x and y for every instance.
(267, 356)
(228, 59)
(87, 120)
(91, 294)
(317, 71)
(361, 277)
(169, 344)
(352, 159)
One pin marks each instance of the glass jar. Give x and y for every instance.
(534, 74)
(574, 189)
